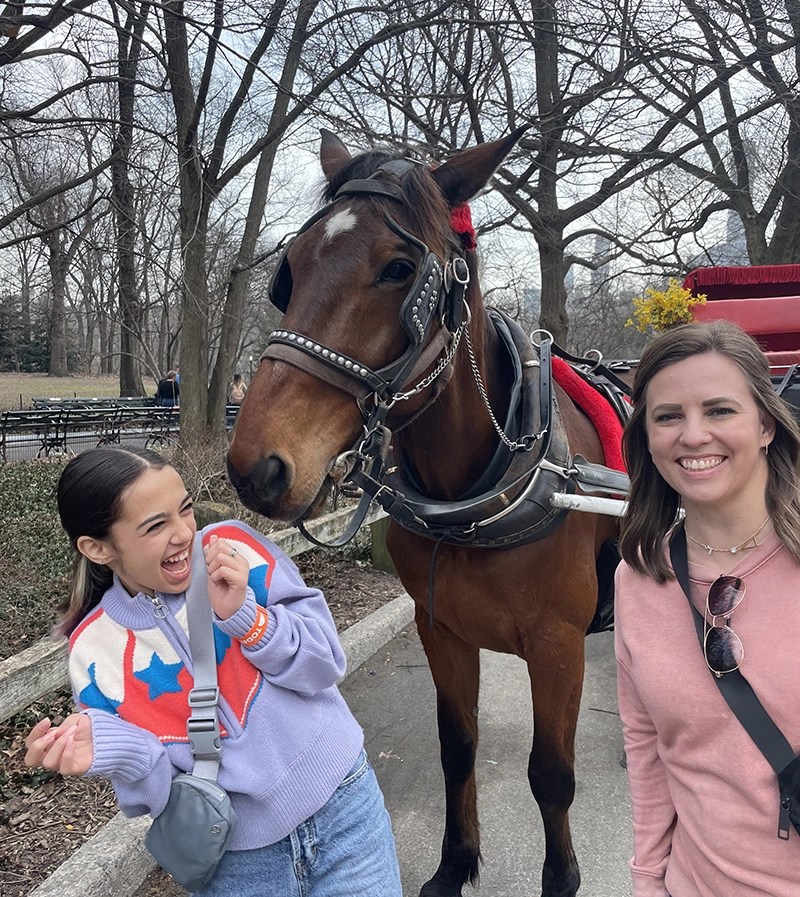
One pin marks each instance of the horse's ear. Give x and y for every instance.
(461, 177)
(333, 154)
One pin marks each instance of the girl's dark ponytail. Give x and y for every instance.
(89, 504)
(89, 583)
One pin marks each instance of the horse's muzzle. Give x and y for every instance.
(263, 486)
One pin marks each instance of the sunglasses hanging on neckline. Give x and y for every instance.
(722, 647)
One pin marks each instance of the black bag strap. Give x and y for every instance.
(736, 690)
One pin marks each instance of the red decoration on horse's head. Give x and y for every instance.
(461, 222)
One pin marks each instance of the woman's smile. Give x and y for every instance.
(694, 464)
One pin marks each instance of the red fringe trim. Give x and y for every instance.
(461, 222)
(742, 282)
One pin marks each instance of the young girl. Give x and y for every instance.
(311, 818)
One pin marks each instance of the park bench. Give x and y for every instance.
(101, 424)
(78, 425)
(50, 430)
(54, 402)
(42, 428)
(160, 426)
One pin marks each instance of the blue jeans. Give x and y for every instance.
(345, 849)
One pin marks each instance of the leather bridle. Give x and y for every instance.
(436, 294)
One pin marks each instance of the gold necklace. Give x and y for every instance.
(736, 548)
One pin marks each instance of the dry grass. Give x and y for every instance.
(16, 388)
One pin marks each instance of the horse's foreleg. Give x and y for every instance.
(455, 667)
(556, 686)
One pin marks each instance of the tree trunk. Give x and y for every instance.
(553, 315)
(194, 328)
(233, 313)
(102, 336)
(56, 260)
(131, 315)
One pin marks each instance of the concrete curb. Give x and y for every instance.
(364, 638)
(115, 862)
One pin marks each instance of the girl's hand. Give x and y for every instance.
(227, 577)
(66, 748)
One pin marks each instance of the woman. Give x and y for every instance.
(168, 391)
(708, 434)
(236, 390)
(310, 813)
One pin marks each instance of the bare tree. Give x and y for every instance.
(744, 159)
(288, 32)
(129, 42)
(583, 76)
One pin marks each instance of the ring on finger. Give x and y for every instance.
(233, 552)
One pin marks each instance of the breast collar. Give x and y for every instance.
(510, 503)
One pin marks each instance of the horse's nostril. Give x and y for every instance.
(270, 477)
(266, 481)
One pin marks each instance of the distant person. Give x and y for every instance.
(236, 390)
(168, 390)
(177, 374)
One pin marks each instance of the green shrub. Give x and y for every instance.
(35, 555)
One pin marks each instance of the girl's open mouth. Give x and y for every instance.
(178, 566)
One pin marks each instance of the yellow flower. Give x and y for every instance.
(663, 309)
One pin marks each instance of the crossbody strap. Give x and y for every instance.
(736, 690)
(202, 726)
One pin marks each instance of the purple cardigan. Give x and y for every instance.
(288, 736)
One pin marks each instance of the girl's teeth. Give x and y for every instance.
(178, 557)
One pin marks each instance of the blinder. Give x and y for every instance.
(280, 283)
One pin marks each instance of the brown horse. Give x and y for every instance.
(352, 293)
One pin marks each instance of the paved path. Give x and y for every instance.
(392, 696)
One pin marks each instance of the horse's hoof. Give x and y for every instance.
(442, 885)
(433, 888)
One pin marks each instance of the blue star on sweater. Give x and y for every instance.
(222, 642)
(92, 696)
(160, 677)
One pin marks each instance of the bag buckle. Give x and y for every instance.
(784, 818)
(203, 727)
(204, 697)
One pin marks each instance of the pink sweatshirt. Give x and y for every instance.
(705, 800)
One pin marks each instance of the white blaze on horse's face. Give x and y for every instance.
(340, 223)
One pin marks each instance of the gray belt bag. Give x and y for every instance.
(190, 836)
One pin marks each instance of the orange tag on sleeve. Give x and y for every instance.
(257, 630)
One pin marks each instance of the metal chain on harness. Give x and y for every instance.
(526, 443)
(445, 360)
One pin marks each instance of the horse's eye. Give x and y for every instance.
(397, 271)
